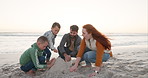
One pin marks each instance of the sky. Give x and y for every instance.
(108, 16)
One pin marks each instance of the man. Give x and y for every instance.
(69, 44)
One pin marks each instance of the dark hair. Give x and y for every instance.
(74, 28)
(98, 36)
(42, 39)
(56, 24)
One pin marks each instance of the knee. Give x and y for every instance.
(85, 56)
(105, 57)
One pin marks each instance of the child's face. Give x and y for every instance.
(55, 30)
(42, 46)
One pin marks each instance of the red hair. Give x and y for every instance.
(98, 36)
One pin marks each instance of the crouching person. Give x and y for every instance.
(32, 59)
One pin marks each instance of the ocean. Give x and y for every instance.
(18, 42)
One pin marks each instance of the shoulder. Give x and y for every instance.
(48, 32)
(30, 51)
(66, 35)
(79, 37)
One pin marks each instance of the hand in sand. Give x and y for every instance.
(51, 63)
(73, 68)
(94, 73)
(67, 57)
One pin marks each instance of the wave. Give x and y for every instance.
(39, 33)
(19, 34)
(127, 34)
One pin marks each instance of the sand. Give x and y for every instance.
(128, 62)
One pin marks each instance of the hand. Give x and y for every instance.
(51, 63)
(73, 68)
(55, 50)
(67, 57)
(97, 68)
(94, 73)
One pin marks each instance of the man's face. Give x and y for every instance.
(73, 33)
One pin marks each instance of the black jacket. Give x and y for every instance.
(66, 42)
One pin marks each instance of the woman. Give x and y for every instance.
(99, 46)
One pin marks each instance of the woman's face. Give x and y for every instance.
(85, 34)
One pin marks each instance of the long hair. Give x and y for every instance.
(98, 36)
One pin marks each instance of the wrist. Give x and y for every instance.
(76, 64)
(96, 71)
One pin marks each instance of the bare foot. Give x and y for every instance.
(31, 73)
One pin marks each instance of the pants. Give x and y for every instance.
(47, 53)
(90, 57)
(30, 66)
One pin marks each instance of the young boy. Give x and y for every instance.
(51, 35)
(33, 59)
(69, 44)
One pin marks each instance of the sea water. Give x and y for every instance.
(18, 42)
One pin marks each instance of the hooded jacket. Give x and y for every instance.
(32, 54)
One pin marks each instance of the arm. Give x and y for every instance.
(82, 48)
(100, 52)
(111, 54)
(35, 60)
(74, 68)
(99, 56)
(49, 37)
(62, 43)
(79, 55)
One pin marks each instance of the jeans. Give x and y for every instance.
(47, 53)
(90, 57)
(30, 66)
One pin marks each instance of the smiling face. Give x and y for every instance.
(73, 33)
(85, 34)
(55, 30)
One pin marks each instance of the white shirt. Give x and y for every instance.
(91, 44)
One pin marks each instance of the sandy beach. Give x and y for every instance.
(128, 62)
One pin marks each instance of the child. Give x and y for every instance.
(33, 59)
(51, 35)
